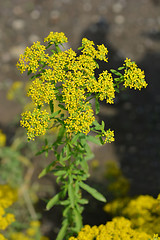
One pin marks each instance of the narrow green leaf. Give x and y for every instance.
(66, 210)
(103, 125)
(93, 192)
(97, 125)
(113, 70)
(62, 106)
(53, 201)
(63, 230)
(74, 139)
(55, 114)
(71, 193)
(47, 169)
(65, 202)
(93, 139)
(102, 142)
(77, 220)
(116, 80)
(89, 154)
(116, 72)
(83, 201)
(121, 68)
(80, 48)
(97, 65)
(59, 173)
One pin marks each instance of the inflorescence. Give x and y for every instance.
(70, 79)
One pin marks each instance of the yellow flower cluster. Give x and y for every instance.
(2, 139)
(144, 212)
(109, 136)
(35, 122)
(133, 76)
(77, 77)
(31, 233)
(7, 197)
(105, 87)
(41, 92)
(56, 38)
(117, 229)
(32, 58)
(70, 79)
(89, 49)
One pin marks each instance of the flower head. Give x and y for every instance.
(36, 122)
(133, 76)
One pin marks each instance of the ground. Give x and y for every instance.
(129, 29)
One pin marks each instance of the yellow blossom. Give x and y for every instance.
(36, 122)
(133, 76)
(70, 79)
(56, 38)
(32, 58)
(41, 92)
(117, 229)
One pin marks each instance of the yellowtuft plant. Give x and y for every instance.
(69, 79)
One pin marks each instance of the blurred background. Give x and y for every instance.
(129, 29)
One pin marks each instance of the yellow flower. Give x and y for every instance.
(35, 122)
(117, 229)
(41, 92)
(133, 76)
(56, 38)
(70, 79)
(109, 136)
(32, 58)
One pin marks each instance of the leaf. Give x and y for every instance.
(71, 192)
(53, 201)
(93, 192)
(59, 173)
(83, 201)
(74, 139)
(62, 106)
(80, 48)
(63, 230)
(115, 72)
(121, 68)
(78, 220)
(97, 125)
(65, 202)
(93, 139)
(55, 114)
(47, 169)
(66, 210)
(89, 153)
(97, 106)
(103, 124)
(97, 65)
